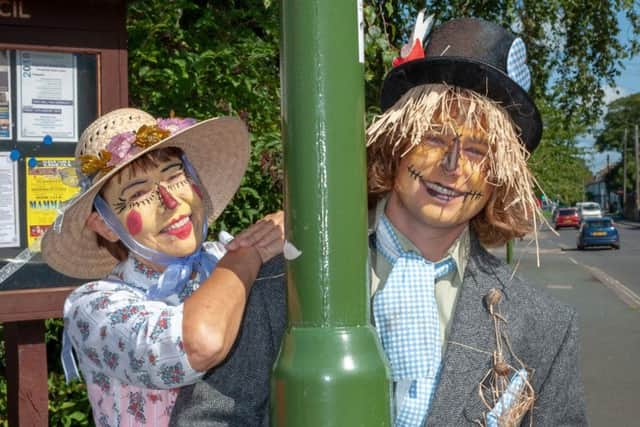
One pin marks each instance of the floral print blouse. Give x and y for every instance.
(129, 348)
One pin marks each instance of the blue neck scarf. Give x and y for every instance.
(406, 317)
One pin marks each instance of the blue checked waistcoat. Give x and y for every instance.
(406, 317)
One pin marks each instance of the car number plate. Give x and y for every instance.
(599, 233)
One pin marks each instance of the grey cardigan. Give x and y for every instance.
(542, 332)
(236, 392)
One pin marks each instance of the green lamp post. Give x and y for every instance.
(330, 371)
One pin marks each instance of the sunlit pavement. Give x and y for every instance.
(603, 285)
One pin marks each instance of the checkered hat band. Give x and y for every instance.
(517, 67)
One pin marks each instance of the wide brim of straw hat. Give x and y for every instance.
(217, 148)
(467, 73)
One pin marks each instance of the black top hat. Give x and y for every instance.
(477, 55)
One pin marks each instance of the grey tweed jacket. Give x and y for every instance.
(236, 392)
(542, 333)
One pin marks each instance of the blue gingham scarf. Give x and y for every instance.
(406, 316)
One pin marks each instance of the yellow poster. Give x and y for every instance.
(45, 194)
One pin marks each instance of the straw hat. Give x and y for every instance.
(477, 55)
(217, 148)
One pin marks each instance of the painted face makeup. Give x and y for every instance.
(442, 182)
(134, 222)
(441, 192)
(160, 207)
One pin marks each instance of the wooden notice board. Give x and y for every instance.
(62, 64)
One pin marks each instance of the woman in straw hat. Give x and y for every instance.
(162, 306)
(468, 343)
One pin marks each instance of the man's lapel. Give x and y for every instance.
(468, 355)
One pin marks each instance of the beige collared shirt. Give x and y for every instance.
(447, 287)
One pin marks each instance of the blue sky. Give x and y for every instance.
(626, 84)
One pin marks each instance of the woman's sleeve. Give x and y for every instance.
(118, 333)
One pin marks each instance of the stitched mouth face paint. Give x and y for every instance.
(415, 174)
(434, 187)
(473, 195)
(159, 207)
(441, 191)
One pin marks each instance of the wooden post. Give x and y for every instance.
(26, 373)
(22, 313)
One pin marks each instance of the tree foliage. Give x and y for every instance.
(573, 47)
(208, 58)
(619, 124)
(563, 171)
(622, 115)
(558, 163)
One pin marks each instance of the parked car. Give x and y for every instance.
(598, 232)
(566, 217)
(589, 210)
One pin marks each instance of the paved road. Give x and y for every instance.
(623, 265)
(603, 286)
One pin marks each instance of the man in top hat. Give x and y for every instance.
(467, 342)
(163, 310)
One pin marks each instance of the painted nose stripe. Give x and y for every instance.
(451, 159)
(167, 198)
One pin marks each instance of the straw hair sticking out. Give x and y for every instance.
(512, 210)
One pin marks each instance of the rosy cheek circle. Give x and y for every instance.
(134, 222)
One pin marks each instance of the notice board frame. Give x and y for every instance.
(94, 27)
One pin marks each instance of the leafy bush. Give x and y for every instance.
(68, 403)
(210, 58)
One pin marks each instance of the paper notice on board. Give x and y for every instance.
(5, 95)
(9, 215)
(45, 194)
(360, 32)
(47, 96)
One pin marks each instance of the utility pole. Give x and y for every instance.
(606, 189)
(510, 251)
(624, 173)
(637, 204)
(331, 370)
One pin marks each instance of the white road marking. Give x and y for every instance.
(560, 286)
(625, 294)
(573, 260)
